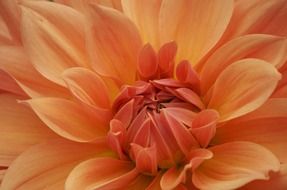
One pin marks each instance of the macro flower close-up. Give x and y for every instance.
(143, 94)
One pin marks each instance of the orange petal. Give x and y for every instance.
(277, 181)
(76, 4)
(234, 165)
(14, 61)
(265, 126)
(113, 49)
(101, 173)
(194, 25)
(242, 87)
(47, 165)
(269, 48)
(67, 119)
(19, 129)
(53, 36)
(145, 15)
(141, 182)
(258, 17)
(8, 84)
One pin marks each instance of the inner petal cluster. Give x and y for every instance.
(158, 121)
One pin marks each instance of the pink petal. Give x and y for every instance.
(101, 173)
(204, 126)
(114, 47)
(147, 63)
(265, 126)
(47, 165)
(249, 46)
(250, 83)
(194, 37)
(67, 119)
(166, 56)
(186, 74)
(277, 181)
(53, 36)
(234, 165)
(19, 129)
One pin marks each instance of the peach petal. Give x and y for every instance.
(258, 17)
(44, 166)
(277, 181)
(265, 126)
(85, 85)
(176, 175)
(113, 48)
(15, 62)
(251, 82)
(204, 126)
(145, 15)
(19, 129)
(249, 46)
(234, 165)
(67, 119)
(147, 63)
(214, 17)
(93, 174)
(53, 36)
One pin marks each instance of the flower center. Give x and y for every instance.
(157, 121)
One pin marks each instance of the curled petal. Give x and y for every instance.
(234, 165)
(147, 63)
(166, 56)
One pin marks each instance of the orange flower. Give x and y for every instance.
(187, 94)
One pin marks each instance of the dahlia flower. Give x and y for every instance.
(151, 94)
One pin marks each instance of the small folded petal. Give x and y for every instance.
(101, 173)
(243, 87)
(47, 165)
(166, 56)
(147, 63)
(113, 43)
(53, 36)
(67, 119)
(265, 126)
(204, 126)
(176, 175)
(194, 25)
(234, 165)
(19, 129)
